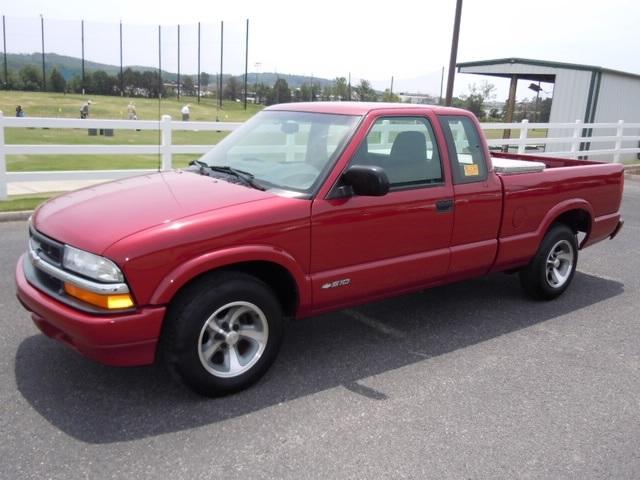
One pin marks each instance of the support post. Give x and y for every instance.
(524, 132)
(165, 142)
(511, 105)
(3, 161)
(619, 133)
(575, 137)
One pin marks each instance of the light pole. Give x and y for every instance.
(454, 52)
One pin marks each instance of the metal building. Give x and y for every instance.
(581, 92)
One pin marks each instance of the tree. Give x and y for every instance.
(544, 110)
(262, 92)
(231, 89)
(341, 89)
(30, 78)
(149, 83)
(10, 83)
(477, 96)
(205, 78)
(327, 93)
(389, 96)
(103, 83)
(305, 93)
(365, 92)
(57, 83)
(280, 92)
(188, 88)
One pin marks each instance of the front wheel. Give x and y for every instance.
(222, 333)
(550, 272)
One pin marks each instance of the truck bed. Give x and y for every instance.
(592, 190)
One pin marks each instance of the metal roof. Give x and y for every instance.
(541, 63)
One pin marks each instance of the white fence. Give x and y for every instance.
(565, 139)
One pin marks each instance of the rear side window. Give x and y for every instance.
(405, 148)
(466, 153)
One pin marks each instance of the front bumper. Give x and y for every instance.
(124, 339)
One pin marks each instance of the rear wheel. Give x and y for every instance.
(222, 333)
(551, 270)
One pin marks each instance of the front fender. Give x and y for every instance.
(181, 275)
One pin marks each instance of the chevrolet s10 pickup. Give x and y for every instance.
(304, 209)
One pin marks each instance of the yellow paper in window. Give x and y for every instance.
(471, 170)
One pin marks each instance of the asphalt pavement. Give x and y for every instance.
(466, 381)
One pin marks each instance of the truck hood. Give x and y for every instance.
(94, 218)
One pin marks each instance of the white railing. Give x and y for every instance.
(571, 139)
(562, 139)
(164, 148)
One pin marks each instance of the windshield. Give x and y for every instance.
(285, 150)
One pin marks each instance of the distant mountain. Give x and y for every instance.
(72, 66)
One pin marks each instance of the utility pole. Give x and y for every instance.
(121, 69)
(178, 84)
(159, 61)
(44, 75)
(82, 43)
(221, 63)
(246, 64)
(4, 43)
(454, 52)
(198, 62)
(441, 84)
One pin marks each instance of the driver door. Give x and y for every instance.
(367, 247)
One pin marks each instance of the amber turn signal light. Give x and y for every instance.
(108, 302)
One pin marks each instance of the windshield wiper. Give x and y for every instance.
(199, 163)
(245, 177)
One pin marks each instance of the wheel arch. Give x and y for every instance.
(577, 214)
(275, 268)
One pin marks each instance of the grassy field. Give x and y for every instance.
(38, 104)
(17, 203)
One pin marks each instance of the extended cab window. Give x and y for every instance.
(405, 148)
(466, 153)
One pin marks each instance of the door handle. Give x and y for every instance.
(444, 205)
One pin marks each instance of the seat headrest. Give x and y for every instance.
(409, 147)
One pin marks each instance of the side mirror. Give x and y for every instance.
(366, 180)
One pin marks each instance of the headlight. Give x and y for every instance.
(90, 265)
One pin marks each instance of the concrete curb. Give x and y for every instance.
(15, 216)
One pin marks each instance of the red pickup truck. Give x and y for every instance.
(306, 208)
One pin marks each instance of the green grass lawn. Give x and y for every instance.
(17, 203)
(38, 104)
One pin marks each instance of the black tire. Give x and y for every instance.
(200, 358)
(550, 272)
